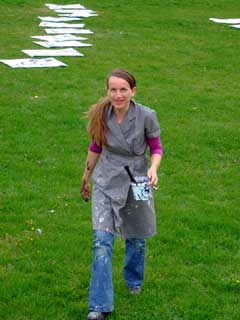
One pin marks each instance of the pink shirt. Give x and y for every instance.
(154, 144)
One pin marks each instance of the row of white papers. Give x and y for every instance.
(61, 28)
(234, 23)
(61, 35)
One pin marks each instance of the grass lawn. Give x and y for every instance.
(187, 69)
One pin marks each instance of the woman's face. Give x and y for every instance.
(120, 93)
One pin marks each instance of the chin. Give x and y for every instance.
(119, 106)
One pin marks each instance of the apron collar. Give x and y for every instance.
(127, 124)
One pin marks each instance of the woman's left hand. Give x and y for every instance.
(152, 176)
(85, 189)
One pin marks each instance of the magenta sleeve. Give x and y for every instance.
(95, 147)
(155, 146)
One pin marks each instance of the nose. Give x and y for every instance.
(118, 93)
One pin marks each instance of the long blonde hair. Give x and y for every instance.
(97, 127)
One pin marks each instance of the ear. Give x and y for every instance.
(134, 90)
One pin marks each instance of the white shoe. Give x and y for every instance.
(96, 315)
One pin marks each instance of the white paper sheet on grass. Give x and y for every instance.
(61, 25)
(52, 6)
(78, 14)
(33, 63)
(58, 19)
(59, 37)
(230, 21)
(235, 26)
(52, 44)
(84, 11)
(69, 52)
(68, 30)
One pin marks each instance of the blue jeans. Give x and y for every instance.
(101, 286)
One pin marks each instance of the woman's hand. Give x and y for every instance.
(152, 171)
(92, 159)
(85, 189)
(152, 176)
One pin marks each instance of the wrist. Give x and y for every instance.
(154, 167)
(86, 177)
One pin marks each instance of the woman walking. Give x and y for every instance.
(122, 202)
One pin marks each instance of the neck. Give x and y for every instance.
(120, 113)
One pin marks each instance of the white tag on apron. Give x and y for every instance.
(141, 189)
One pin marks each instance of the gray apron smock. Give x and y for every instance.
(114, 208)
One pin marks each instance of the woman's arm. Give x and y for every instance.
(156, 152)
(152, 171)
(92, 159)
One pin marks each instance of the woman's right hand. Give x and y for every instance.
(85, 189)
(92, 159)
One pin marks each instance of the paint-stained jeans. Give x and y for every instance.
(101, 286)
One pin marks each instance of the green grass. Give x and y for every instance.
(187, 70)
